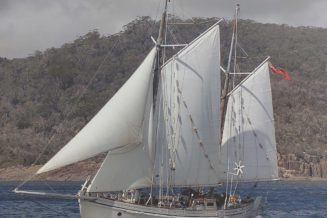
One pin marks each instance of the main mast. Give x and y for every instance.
(223, 102)
(156, 81)
(160, 53)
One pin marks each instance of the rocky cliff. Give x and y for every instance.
(302, 165)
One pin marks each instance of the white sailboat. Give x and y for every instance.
(170, 140)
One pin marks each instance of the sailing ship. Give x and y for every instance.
(173, 134)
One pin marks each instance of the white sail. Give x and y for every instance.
(190, 97)
(132, 166)
(129, 168)
(249, 134)
(119, 123)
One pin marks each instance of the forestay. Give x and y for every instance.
(190, 100)
(119, 123)
(249, 134)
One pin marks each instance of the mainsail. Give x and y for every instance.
(249, 134)
(119, 123)
(182, 125)
(190, 122)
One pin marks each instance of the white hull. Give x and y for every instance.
(103, 208)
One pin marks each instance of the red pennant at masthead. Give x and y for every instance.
(282, 72)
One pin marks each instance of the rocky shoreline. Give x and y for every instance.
(302, 166)
(76, 172)
(291, 167)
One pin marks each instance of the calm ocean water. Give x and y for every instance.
(289, 199)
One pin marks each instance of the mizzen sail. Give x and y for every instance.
(249, 133)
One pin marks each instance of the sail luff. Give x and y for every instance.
(117, 124)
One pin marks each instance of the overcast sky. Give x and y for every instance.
(29, 25)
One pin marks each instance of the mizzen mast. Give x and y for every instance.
(223, 99)
(163, 24)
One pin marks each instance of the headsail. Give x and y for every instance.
(129, 168)
(132, 166)
(249, 134)
(190, 101)
(119, 123)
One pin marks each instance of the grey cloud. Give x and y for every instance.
(292, 12)
(29, 25)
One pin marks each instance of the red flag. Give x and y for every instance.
(282, 72)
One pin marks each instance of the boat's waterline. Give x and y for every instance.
(103, 208)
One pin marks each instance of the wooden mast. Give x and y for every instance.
(159, 62)
(156, 81)
(223, 99)
(163, 23)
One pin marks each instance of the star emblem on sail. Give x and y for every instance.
(239, 168)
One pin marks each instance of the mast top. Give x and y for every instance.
(225, 90)
(163, 24)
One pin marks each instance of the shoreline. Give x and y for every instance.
(303, 178)
(69, 173)
(73, 173)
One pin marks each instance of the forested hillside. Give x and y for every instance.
(50, 95)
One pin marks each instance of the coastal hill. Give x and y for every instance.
(50, 95)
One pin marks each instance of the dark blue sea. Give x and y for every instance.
(289, 199)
